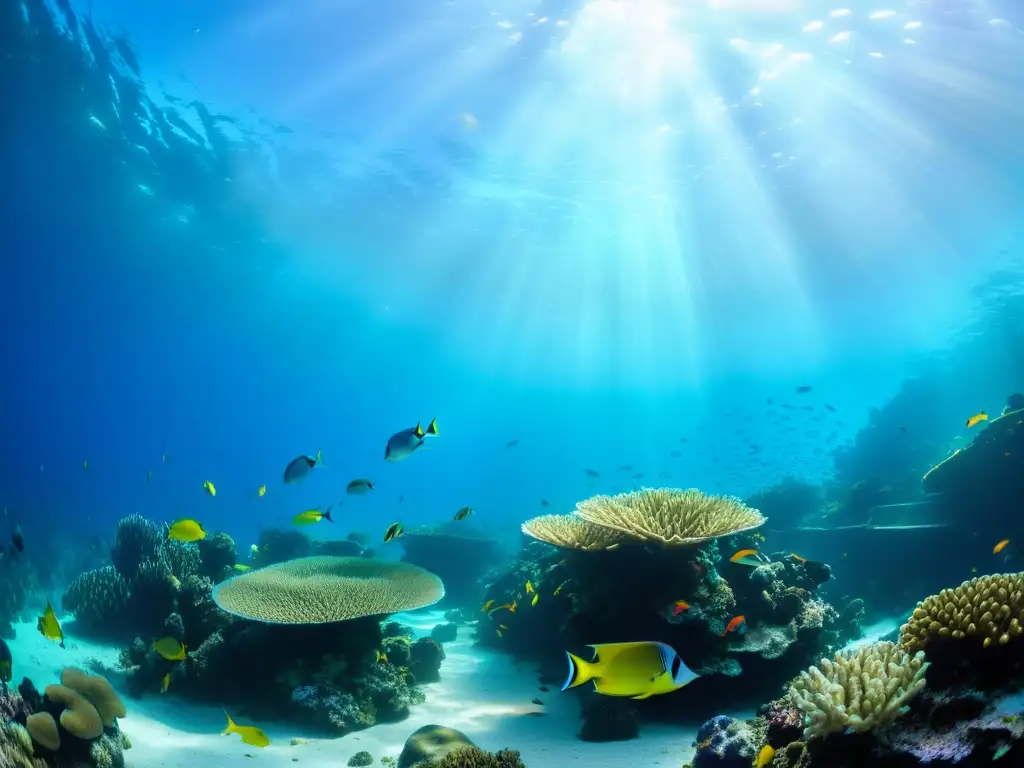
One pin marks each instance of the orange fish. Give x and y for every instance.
(736, 624)
(679, 606)
(1000, 546)
(746, 557)
(797, 557)
(976, 418)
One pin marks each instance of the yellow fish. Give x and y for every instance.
(262, 491)
(529, 587)
(746, 557)
(166, 683)
(250, 734)
(170, 648)
(976, 418)
(382, 658)
(463, 513)
(487, 606)
(48, 625)
(209, 488)
(502, 626)
(535, 599)
(499, 633)
(312, 516)
(636, 670)
(242, 568)
(186, 530)
(1000, 546)
(393, 532)
(764, 756)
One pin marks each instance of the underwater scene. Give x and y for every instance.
(507, 384)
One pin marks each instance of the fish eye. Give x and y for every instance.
(676, 663)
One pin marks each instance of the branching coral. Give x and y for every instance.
(16, 749)
(473, 757)
(136, 541)
(319, 590)
(97, 597)
(181, 558)
(989, 608)
(860, 690)
(572, 532)
(671, 516)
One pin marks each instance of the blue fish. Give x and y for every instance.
(402, 445)
(301, 466)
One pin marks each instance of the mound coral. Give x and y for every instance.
(860, 690)
(97, 597)
(321, 590)
(136, 541)
(572, 532)
(988, 607)
(431, 743)
(670, 516)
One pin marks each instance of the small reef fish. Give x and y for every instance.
(746, 557)
(977, 418)
(679, 606)
(529, 587)
(250, 734)
(463, 513)
(804, 389)
(511, 607)
(164, 458)
(1000, 751)
(170, 648)
(736, 624)
(301, 466)
(560, 587)
(544, 503)
(242, 568)
(382, 658)
(637, 670)
(487, 606)
(18, 539)
(591, 473)
(535, 599)
(312, 516)
(1000, 546)
(797, 557)
(393, 532)
(261, 491)
(48, 625)
(165, 683)
(498, 632)
(85, 464)
(209, 488)
(149, 475)
(6, 663)
(502, 627)
(402, 445)
(764, 757)
(359, 487)
(254, 549)
(511, 443)
(186, 530)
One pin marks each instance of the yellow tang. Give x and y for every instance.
(48, 625)
(186, 530)
(487, 606)
(166, 683)
(262, 491)
(764, 756)
(242, 568)
(535, 599)
(529, 587)
(636, 670)
(170, 648)
(250, 734)
(209, 488)
(311, 516)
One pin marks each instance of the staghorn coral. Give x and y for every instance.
(572, 532)
(860, 690)
(181, 558)
(474, 757)
(334, 711)
(97, 598)
(988, 607)
(670, 516)
(136, 541)
(321, 590)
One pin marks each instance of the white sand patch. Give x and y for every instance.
(482, 693)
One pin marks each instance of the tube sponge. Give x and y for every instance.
(860, 690)
(988, 607)
(671, 516)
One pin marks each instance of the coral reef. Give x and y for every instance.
(723, 742)
(425, 657)
(324, 589)
(277, 546)
(217, 556)
(360, 759)
(473, 757)
(136, 541)
(605, 718)
(572, 532)
(434, 746)
(457, 553)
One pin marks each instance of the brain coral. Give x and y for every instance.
(320, 590)
(988, 607)
(670, 515)
(572, 532)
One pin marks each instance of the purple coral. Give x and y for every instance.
(785, 723)
(12, 706)
(723, 742)
(928, 746)
(330, 708)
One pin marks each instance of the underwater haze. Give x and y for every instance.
(396, 280)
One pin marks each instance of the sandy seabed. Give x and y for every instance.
(481, 693)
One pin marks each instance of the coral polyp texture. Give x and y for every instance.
(322, 590)
(988, 608)
(670, 516)
(572, 532)
(860, 690)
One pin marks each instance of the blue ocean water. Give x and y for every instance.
(605, 243)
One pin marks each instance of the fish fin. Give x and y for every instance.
(327, 515)
(580, 671)
(319, 458)
(231, 725)
(643, 696)
(432, 427)
(418, 431)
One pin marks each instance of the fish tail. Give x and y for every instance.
(319, 458)
(580, 671)
(231, 725)
(327, 515)
(432, 427)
